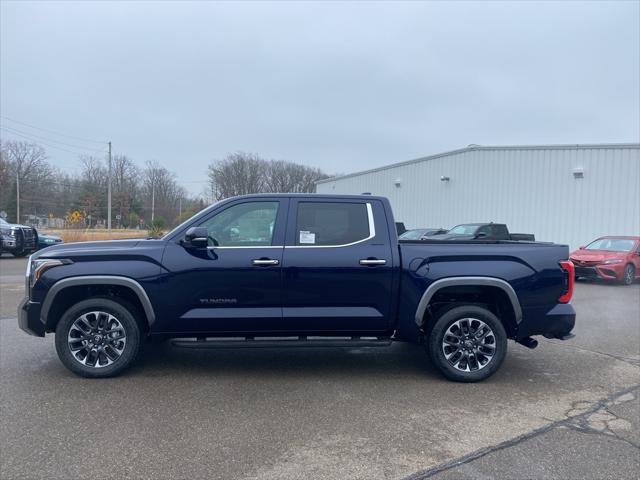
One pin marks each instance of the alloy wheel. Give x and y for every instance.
(96, 339)
(469, 344)
(628, 275)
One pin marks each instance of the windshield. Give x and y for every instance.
(611, 245)
(463, 230)
(412, 234)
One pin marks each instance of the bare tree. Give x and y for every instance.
(243, 173)
(162, 193)
(289, 177)
(237, 174)
(124, 183)
(28, 159)
(93, 197)
(5, 179)
(27, 163)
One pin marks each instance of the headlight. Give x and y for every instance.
(39, 266)
(613, 260)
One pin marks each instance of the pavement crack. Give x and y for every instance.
(578, 422)
(632, 361)
(586, 429)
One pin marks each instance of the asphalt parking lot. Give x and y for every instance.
(564, 410)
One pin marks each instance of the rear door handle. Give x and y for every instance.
(372, 261)
(261, 262)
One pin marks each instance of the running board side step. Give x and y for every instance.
(279, 342)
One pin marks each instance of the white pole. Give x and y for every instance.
(153, 200)
(109, 193)
(18, 194)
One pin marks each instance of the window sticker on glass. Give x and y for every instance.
(307, 237)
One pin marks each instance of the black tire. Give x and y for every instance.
(629, 274)
(21, 254)
(123, 313)
(447, 320)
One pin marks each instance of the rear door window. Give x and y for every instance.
(484, 229)
(331, 223)
(500, 232)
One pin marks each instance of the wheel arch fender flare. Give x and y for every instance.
(474, 281)
(60, 285)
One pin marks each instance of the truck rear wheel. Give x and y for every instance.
(467, 343)
(98, 337)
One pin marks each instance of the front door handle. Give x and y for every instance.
(372, 261)
(261, 262)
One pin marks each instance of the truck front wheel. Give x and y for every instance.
(98, 337)
(467, 343)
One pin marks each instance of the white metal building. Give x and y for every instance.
(563, 193)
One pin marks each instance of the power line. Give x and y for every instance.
(48, 182)
(53, 131)
(45, 143)
(12, 129)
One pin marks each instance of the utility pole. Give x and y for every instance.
(18, 193)
(109, 193)
(180, 207)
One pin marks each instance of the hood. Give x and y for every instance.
(89, 248)
(48, 237)
(14, 225)
(592, 256)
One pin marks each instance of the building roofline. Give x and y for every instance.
(575, 146)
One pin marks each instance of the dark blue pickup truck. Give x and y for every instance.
(297, 270)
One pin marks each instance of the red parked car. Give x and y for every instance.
(609, 258)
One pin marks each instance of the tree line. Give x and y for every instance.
(138, 193)
(142, 195)
(243, 173)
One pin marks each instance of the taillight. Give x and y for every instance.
(567, 266)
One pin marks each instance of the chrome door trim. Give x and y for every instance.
(244, 246)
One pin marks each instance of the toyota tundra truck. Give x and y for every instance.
(298, 270)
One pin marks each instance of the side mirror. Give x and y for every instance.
(196, 237)
(581, 248)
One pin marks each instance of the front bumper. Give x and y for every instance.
(11, 243)
(556, 323)
(8, 243)
(612, 271)
(29, 318)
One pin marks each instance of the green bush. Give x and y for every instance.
(157, 228)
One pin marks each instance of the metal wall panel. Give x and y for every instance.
(531, 189)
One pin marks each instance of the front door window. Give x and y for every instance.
(249, 224)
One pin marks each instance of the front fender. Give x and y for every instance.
(60, 285)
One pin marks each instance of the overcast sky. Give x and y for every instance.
(341, 86)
